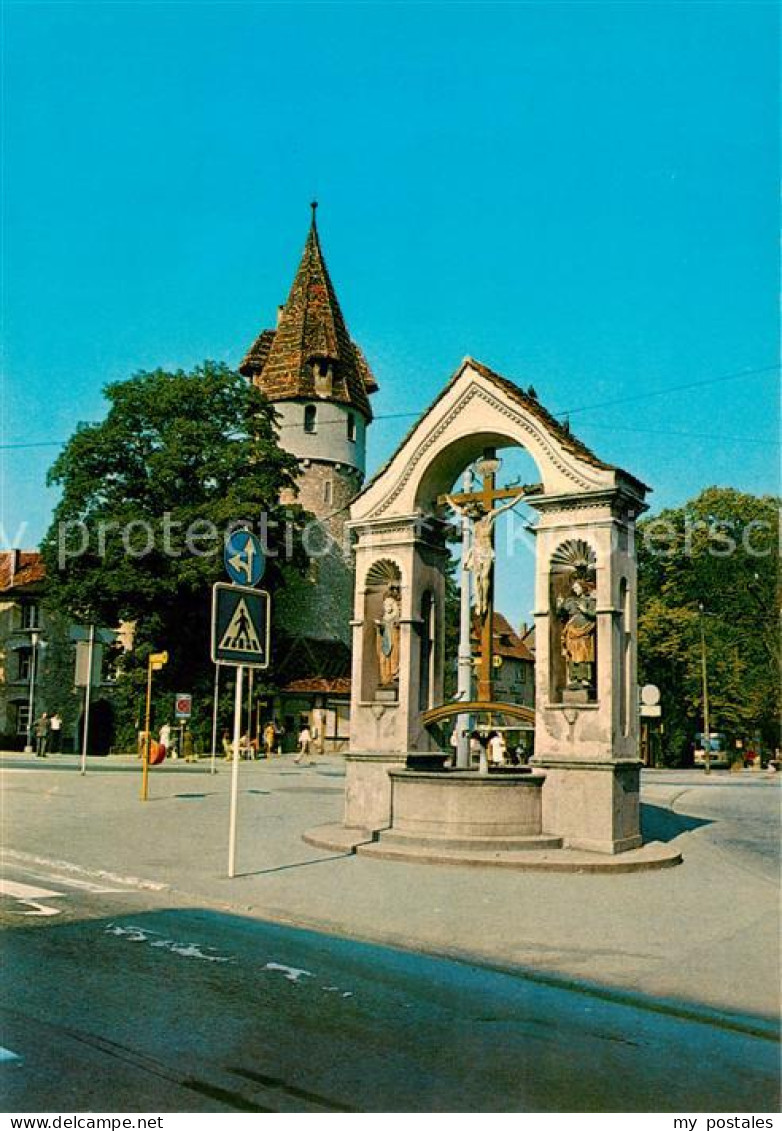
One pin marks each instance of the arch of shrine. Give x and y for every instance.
(583, 789)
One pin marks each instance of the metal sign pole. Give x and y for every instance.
(235, 774)
(240, 638)
(87, 696)
(214, 718)
(250, 684)
(156, 661)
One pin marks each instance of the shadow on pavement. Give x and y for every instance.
(300, 864)
(192, 1010)
(658, 823)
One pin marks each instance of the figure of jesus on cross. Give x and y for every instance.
(479, 507)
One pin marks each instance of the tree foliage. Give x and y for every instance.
(176, 453)
(711, 566)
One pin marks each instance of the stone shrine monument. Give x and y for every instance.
(581, 791)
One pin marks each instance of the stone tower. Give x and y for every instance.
(319, 383)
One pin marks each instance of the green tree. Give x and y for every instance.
(711, 563)
(147, 496)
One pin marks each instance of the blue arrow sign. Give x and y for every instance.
(243, 557)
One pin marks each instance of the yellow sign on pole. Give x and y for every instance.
(156, 662)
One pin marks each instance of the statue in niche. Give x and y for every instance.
(578, 611)
(388, 638)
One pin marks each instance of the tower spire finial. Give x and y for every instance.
(314, 207)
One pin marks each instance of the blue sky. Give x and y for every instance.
(583, 196)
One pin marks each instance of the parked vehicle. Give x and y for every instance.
(717, 751)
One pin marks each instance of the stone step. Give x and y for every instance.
(648, 858)
(534, 843)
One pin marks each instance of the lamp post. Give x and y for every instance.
(464, 670)
(34, 636)
(705, 680)
(87, 693)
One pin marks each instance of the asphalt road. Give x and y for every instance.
(122, 1000)
(737, 815)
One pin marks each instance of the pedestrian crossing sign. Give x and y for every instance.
(240, 626)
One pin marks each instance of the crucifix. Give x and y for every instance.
(479, 506)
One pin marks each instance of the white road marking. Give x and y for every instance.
(6, 1055)
(25, 891)
(289, 972)
(159, 942)
(81, 885)
(29, 896)
(12, 856)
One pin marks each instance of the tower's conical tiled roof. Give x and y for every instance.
(311, 330)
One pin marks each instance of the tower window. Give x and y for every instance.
(328, 494)
(351, 426)
(322, 371)
(310, 418)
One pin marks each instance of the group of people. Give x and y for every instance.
(496, 747)
(270, 743)
(167, 740)
(47, 730)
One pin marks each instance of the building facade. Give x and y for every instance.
(40, 654)
(22, 634)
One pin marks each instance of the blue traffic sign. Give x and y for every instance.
(240, 626)
(243, 557)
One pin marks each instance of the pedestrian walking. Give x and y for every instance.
(228, 750)
(41, 735)
(55, 722)
(271, 739)
(188, 746)
(305, 740)
(164, 738)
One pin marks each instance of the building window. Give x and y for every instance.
(310, 418)
(112, 662)
(328, 492)
(30, 615)
(22, 717)
(25, 660)
(351, 426)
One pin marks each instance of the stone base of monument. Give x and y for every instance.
(444, 816)
(593, 805)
